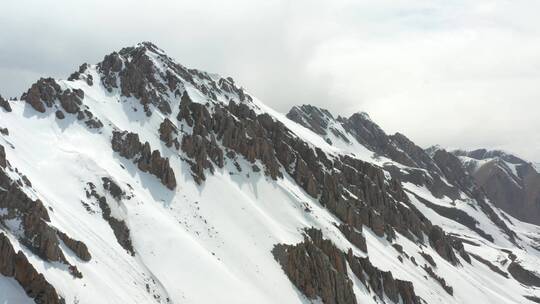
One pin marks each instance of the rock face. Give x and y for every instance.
(4, 104)
(15, 264)
(355, 191)
(313, 118)
(47, 93)
(319, 269)
(34, 232)
(316, 272)
(119, 227)
(168, 133)
(78, 247)
(213, 126)
(128, 145)
(511, 183)
(523, 275)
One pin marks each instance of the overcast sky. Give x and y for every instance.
(457, 73)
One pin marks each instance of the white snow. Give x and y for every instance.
(210, 243)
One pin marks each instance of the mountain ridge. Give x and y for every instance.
(254, 191)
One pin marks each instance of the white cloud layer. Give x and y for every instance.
(456, 73)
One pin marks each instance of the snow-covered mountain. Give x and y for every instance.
(138, 180)
(510, 182)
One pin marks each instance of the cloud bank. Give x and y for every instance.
(457, 73)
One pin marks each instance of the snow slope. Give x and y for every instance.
(212, 242)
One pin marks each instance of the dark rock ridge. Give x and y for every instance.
(449, 289)
(455, 214)
(523, 275)
(490, 265)
(313, 118)
(119, 227)
(128, 145)
(168, 133)
(78, 247)
(356, 192)
(15, 264)
(431, 168)
(81, 75)
(319, 270)
(37, 234)
(34, 232)
(354, 236)
(133, 71)
(47, 93)
(4, 104)
(510, 182)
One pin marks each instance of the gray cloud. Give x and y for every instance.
(460, 73)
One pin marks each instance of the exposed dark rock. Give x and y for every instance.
(382, 282)
(455, 214)
(37, 235)
(313, 118)
(489, 265)
(449, 289)
(15, 264)
(128, 145)
(80, 75)
(442, 244)
(42, 94)
(71, 100)
(4, 104)
(319, 269)
(168, 132)
(3, 161)
(59, 114)
(510, 183)
(119, 227)
(354, 236)
(78, 247)
(4, 131)
(523, 275)
(533, 299)
(113, 188)
(428, 259)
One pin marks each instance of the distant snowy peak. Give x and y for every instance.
(146, 73)
(510, 182)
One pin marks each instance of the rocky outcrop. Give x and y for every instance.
(510, 182)
(3, 161)
(357, 192)
(82, 74)
(119, 227)
(42, 94)
(354, 236)
(313, 118)
(523, 275)
(490, 265)
(319, 269)
(442, 244)
(449, 289)
(47, 93)
(4, 104)
(34, 230)
(128, 145)
(78, 247)
(16, 265)
(113, 188)
(382, 282)
(37, 235)
(168, 132)
(317, 272)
